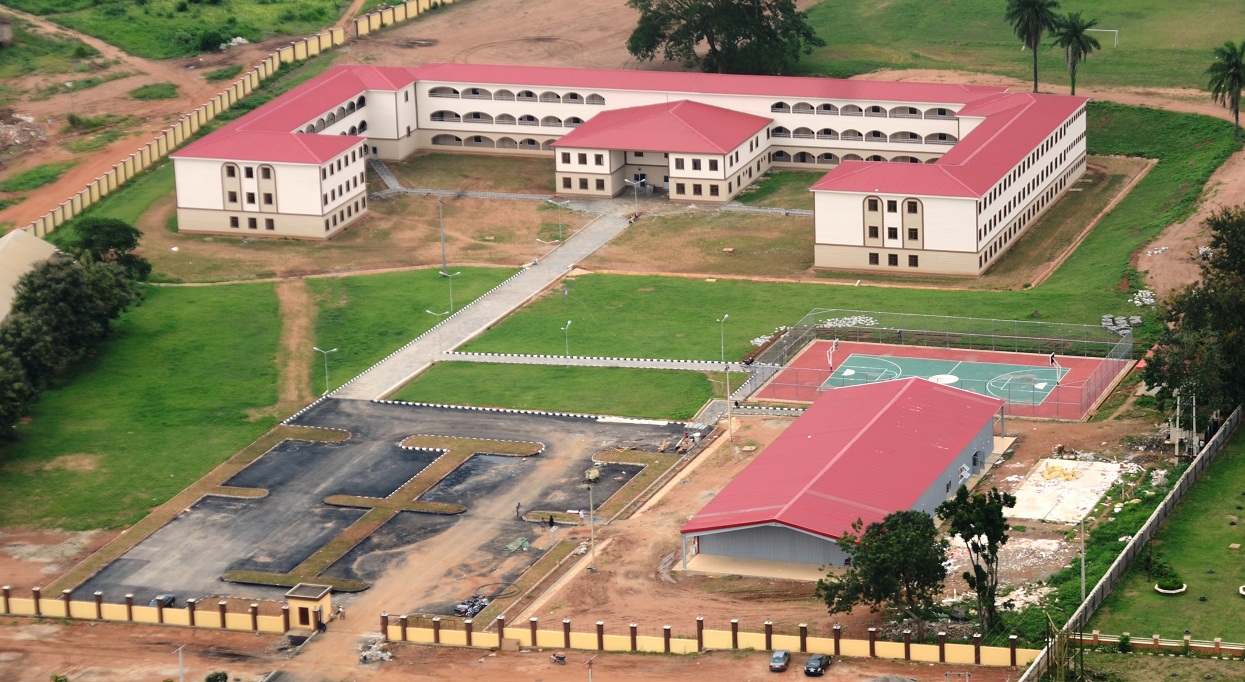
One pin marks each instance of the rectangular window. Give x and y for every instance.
(639, 155)
(269, 224)
(324, 174)
(873, 259)
(873, 205)
(678, 164)
(252, 223)
(892, 206)
(583, 159)
(566, 157)
(250, 197)
(326, 224)
(600, 185)
(231, 172)
(249, 172)
(583, 183)
(696, 190)
(267, 199)
(326, 200)
(566, 183)
(680, 188)
(713, 190)
(892, 233)
(373, 151)
(873, 231)
(913, 262)
(892, 259)
(913, 235)
(713, 164)
(233, 221)
(265, 173)
(233, 197)
(911, 207)
(695, 164)
(599, 159)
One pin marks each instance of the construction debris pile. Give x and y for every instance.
(17, 130)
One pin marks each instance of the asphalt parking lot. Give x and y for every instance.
(458, 554)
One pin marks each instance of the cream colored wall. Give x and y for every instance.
(198, 183)
(204, 221)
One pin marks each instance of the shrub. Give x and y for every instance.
(1170, 582)
(1126, 644)
(217, 676)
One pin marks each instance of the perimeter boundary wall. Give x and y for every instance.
(198, 614)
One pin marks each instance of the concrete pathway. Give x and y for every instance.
(382, 171)
(586, 361)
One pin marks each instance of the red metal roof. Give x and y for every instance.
(1015, 124)
(245, 145)
(681, 127)
(858, 452)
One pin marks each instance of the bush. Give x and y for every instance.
(1170, 582)
(1126, 644)
(217, 676)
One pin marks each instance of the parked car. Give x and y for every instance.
(817, 664)
(165, 600)
(779, 661)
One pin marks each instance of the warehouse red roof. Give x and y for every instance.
(859, 452)
(681, 127)
(1013, 126)
(245, 145)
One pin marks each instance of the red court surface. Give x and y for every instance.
(1086, 380)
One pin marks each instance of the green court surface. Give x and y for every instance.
(1019, 384)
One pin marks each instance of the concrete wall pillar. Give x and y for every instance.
(976, 648)
(467, 628)
(222, 610)
(803, 638)
(190, 611)
(873, 639)
(129, 608)
(566, 633)
(501, 628)
(160, 611)
(5, 593)
(600, 635)
(942, 647)
(734, 633)
(99, 605)
(769, 635)
(384, 626)
(66, 597)
(700, 633)
(436, 629)
(633, 637)
(37, 592)
(254, 609)
(531, 626)
(838, 633)
(1011, 644)
(665, 634)
(907, 645)
(285, 618)
(403, 621)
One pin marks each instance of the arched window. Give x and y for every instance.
(852, 157)
(572, 98)
(528, 143)
(362, 127)
(780, 131)
(780, 156)
(507, 143)
(361, 102)
(350, 107)
(446, 117)
(547, 145)
(528, 120)
(939, 112)
(827, 134)
(504, 96)
(573, 122)
(851, 110)
(803, 133)
(354, 130)
(551, 122)
(479, 141)
(319, 125)
(330, 119)
(803, 157)
(596, 99)
(442, 91)
(801, 108)
(341, 111)
(905, 159)
(311, 128)
(875, 157)
(906, 136)
(477, 93)
(526, 96)
(828, 109)
(447, 140)
(780, 108)
(828, 157)
(875, 110)
(504, 120)
(905, 112)
(875, 136)
(478, 117)
(550, 97)
(941, 138)
(851, 135)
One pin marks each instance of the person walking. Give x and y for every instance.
(518, 510)
(341, 612)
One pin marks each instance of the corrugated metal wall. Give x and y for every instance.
(773, 542)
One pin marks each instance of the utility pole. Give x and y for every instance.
(592, 540)
(441, 219)
(181, 669)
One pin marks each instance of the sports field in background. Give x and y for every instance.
(1030, 385)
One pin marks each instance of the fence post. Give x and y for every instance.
(467, 627)
(384, 626)
(221, 608)
(531, 626)
(190, 611)
(734, 633)
(942, 647)
(254, 609)
(976, 648)
(5, 592)
(873, 638)
(566, 633)
(907, 645)
(285, 617)
(36, 592)
(436, 629)
(600, 635)
(1218, 645)
(803, 638)
(1011, 644)
(700, 633)
(129, 608)
(665, 633)
(501, 628)
(403, 621)
(1095, 640)
(1154, 640)
(99, 605)
(769, 635)
(66, 597)
(160, 611)
(838, 632)
(633, 637)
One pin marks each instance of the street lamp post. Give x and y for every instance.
(441, 219)
(325, 353)
(559, 204)
(592, 531)
(566, 339)
(440, 317)
(635, 186)
(450, 278)
(722, 335)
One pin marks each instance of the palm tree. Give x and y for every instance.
(1227, 78)
(1030, 19)
(1071, 33)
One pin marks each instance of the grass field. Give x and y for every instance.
(165, 400)
(782, 189)
(1195, 540)
(369, 316)
(1162, 44)
(155, 91)
(658, 394)
(35, 52)
(36, 177)
(1140, 668)
(476, 174)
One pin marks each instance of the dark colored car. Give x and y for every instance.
(817, 664)
(165, 600)
(779, 661)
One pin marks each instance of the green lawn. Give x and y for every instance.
(370, 316)
(658, 394)
(36, 51)
(155, 91)
(1162, 44)
(476, 174)
(1107, 667)
(782, 189)
(36, 177)
(1195, 540)
(167, 399)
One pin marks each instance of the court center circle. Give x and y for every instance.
(944, 379)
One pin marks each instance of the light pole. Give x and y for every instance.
(441, 219)
(635, 186)
(722, 335)
(566, 339)
(559, 204)
(181, 668)
(69, 85)
(440, 317)
(325, 353)
(592, 531)
(450, 278)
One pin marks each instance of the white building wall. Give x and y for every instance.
(198, 183)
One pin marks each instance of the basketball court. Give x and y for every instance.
(1031, 384)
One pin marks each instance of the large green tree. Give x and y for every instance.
(1201, 351)
(1030, 19)
(15, 393)
(740, 36)
(1227, 79)
(979, 521)
(108, 240)
(896, 563)
(1071, 33)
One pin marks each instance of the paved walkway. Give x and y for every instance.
(586, 361)
(382, 171)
